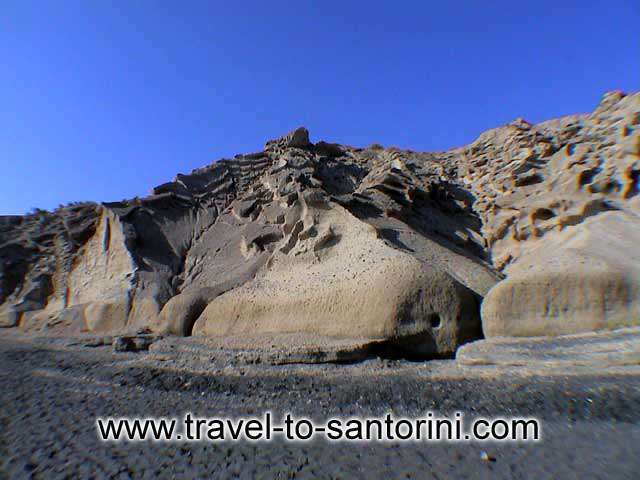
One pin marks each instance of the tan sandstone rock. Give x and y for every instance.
(584, 278)
(537, 223)
(568, 237)
(347, 284)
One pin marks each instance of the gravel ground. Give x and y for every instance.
(50, 396)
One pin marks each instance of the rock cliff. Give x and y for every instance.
(531, 230)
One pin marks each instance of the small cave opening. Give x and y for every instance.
(435, 321)
(192, 316)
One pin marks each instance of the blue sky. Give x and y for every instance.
(102, 100)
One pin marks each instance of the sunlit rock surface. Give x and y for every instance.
(531, 230)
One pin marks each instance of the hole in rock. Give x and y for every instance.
(543, 214)
(434, 320)
(585, 177)
(192, 315)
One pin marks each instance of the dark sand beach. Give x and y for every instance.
(51, 393)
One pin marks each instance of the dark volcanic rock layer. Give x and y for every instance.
(535, 226)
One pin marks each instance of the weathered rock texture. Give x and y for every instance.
(535, 225)
(595, 351)
(560, 214)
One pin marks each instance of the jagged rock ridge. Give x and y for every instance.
(535, 225)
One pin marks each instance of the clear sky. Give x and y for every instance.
(104, 99)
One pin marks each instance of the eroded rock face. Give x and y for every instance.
(594, 351)
(537, 223)
(291, 255)
(581, 279)
(559, 207)
(37, 254)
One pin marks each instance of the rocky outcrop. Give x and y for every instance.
(580, 279)
(586, 352)
(560, 209)
(37, 254)
(535, 226)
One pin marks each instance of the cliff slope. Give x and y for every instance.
(530, 230)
